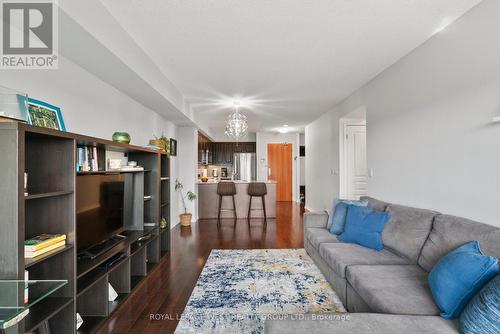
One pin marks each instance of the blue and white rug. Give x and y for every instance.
(238, 289)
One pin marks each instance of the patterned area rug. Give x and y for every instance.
(238, 289)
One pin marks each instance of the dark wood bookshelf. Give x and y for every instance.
(32, 261)
(43, 311)
(88, 280)
(49, 157)
(49, 194)
(113, 305)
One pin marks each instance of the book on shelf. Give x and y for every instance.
(29, 255)
(26, 286)
(42, 241)
(87, 160)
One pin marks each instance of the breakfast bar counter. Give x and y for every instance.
(208, 201)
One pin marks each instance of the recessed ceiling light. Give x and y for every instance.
(285, 125)
(284, 129)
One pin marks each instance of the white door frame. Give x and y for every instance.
(344, 123)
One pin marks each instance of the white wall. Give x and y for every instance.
(322, 157)
(187, 155)
(89, 105)
(431, 143)
(264, 138)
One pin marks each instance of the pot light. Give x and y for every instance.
(283, 129)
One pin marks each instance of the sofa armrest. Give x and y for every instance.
(315, 219)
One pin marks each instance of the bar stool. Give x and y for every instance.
(226, 189)
(257, 189)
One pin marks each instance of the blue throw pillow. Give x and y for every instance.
(482, 314)
(336, 221)
(458, 276)
(364, 227)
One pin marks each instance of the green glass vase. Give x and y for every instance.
(121, 137)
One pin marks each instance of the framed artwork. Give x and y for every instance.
(39, 113)
(173, 147)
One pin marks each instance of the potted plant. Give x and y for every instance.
(162, 142)
(185, 217)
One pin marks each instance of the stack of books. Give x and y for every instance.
(87, 159)
(42, 244)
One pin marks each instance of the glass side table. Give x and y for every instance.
(14, 307)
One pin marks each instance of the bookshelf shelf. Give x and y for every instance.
(49, 194)
(88, 280)
(31, 262)
(43, 311)
(112, 306)
(117, 171)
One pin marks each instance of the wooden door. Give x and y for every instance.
(279, 157)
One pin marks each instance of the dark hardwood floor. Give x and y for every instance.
(167, 289)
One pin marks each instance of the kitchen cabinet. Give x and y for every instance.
(223, 151)
(204, 145)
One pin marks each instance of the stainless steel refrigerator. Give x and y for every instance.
(245, 166)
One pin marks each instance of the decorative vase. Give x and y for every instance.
(121, 137)
(185, 219)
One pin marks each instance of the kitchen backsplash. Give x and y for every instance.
(209, 170)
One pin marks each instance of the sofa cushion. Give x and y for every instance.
(449, 232)
(359, 323)
(336, 220)
(317, 236)
(364, 227)
(407, 230)
(375, 204)
(341, 255)
(458, 276)
(393, 289)
(482, 314)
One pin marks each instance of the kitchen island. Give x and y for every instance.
(208, 201)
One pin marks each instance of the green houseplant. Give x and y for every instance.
(162, 142)
(190, 196)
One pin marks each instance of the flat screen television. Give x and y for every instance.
(99, 208)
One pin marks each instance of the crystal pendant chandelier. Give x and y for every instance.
(236, 124)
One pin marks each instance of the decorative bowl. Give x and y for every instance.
(121, 137)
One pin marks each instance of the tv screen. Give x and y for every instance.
(99, 208)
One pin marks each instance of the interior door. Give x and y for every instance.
(279, 158)
(357, 171)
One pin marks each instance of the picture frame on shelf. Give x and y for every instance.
(40, 113)
(173, 147)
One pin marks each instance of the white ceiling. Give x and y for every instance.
(288, 60)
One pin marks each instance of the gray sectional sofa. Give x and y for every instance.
(387, 291)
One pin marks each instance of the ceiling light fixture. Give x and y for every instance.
(236, 123)
(284, 129)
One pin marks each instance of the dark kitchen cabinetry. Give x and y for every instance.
(223, 151)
